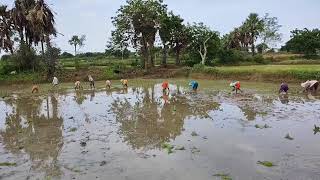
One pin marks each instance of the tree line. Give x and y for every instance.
(139, 22)
(137, 25)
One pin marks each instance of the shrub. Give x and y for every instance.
(230, 56)
(198, 68)
(258, 59)
(66, 55)
(25, 58)
(109, 73)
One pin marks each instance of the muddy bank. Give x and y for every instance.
(140, 133)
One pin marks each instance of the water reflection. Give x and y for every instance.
(155, 117)
(140, 118)
(284, 98)
(31, 130)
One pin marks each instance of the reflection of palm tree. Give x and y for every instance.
(41, 138)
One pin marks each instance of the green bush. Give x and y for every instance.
(259, 59)
(25, 58)
(109, 73)
(198, 68)
(230, 56)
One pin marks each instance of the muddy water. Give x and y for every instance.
(120, 134)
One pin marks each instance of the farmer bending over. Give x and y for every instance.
(124, 83)
(310, 85)
(55, 81)
(35, 88)
(108, 84)
(236, 86)
(91, 82)
(194, 85)
(284, 88)
(165, 87)
(77, 85)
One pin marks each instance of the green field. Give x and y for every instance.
(264, 72)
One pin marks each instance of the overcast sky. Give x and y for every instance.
(93, 17)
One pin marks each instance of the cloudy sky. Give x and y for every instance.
(93, 17)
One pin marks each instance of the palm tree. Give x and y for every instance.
(254, 26)
(19, 19)
(76, 41)
(5, 30)
(41, 18)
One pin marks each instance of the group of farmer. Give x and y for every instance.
(310, 85)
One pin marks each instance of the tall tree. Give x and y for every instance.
(270, 33)
(180, 38)
(254, 25)
(77, 42)
(118, 42)
(138, 21)
(41, 19)
(200, 35)
(165, 33)
(173, 34)
(6, 30)
(304, 41)
(22, 25)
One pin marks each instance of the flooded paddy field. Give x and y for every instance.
(139, 133)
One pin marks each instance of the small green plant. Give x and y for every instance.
(194, 133)
(168, 147)
(266, 163)
(266, 126)
(73, 129)
(223, 176)
(7, 164)
(316, 129)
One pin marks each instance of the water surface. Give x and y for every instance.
(119, 134)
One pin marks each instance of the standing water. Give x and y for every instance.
(140, 133)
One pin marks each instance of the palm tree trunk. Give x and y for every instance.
(178, 56)
(75, 50)
(42, 48)
(122, 51)
(253, 49)
(164, 55)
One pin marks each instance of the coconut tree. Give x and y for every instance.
(76, 41)
(5, 30)
(254, 26)
(41, 18)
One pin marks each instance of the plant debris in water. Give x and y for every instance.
(195, 150)
(266, 163)
(180, 148)
(168, 147)
(266, 126)
(288, 137)
(223, 176)
(83, 144)
(194, 134)
(102, 163)
(316, 129)
(73, 129)
(7, 164)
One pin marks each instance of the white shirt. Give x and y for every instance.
(55, 81)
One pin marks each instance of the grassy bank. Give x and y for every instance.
(253, 72)
(260, 72)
